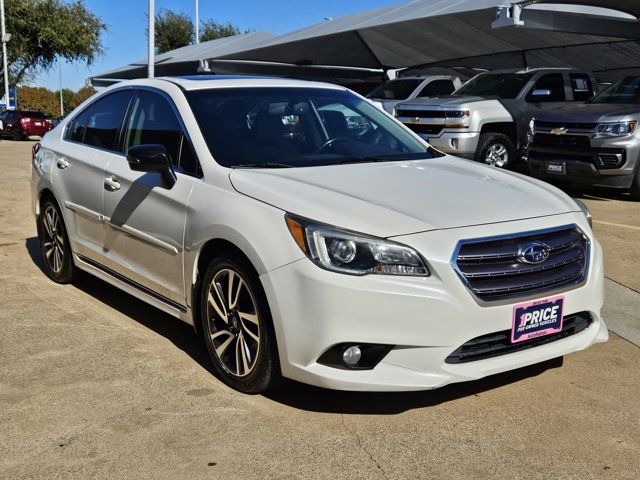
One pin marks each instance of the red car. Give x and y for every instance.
(20, 124)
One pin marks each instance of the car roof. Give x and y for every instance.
(536, 70)
(199, 82)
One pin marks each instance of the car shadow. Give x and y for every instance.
(290, 393)
(600, 194)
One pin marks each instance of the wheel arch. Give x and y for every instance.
(506, 128)
(210, 249)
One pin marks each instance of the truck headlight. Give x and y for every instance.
(352, 253)
(616, 129)
(456, 118)
(585, 210)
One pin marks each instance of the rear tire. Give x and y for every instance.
(237, 327)
(15, 135)
(495, 149)
(54, 243)
(635, 186)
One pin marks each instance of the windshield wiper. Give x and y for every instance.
(264, 165)
(363, 160)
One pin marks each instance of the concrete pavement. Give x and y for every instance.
(96, 384)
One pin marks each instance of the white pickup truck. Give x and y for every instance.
(392, 92)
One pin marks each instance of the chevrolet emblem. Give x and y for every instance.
(559, 131)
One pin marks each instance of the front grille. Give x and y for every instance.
(494, 270)
(496, 344)
(568, 125)
(420, 113)
(425, 129)
(562, 141)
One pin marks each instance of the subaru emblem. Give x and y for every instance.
(534, 252)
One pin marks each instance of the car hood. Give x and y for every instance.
(591, 113)
(396, 198)
(446, 100)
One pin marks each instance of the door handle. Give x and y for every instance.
(62, 163)
(111, 184)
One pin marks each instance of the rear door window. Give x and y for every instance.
(105, 121)
(76, 130)
(582, 87)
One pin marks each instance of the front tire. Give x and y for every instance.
(495, 149)
(237, 327)
(54, 243)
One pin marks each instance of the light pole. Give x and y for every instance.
(60, 81)
(196, 22)
(5, 38)
(152, 37)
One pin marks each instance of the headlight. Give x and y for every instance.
(617, 129)
(347, 252)
(585, 210)
(458, 118)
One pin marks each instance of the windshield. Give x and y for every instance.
(501, 85)
(395, 89)
(624, 91)
(298, 127)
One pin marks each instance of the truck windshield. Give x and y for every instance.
(398, 89)
(298, 127)
(626, 90)
(501, 85)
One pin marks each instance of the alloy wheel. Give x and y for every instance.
(53, 245)
(497, 155)
(233, 324)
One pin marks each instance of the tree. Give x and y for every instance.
(67, 96)
(211, 30)
(175, 29)
(172, 30)
(43, 30)
(80, 96)
(38, 98)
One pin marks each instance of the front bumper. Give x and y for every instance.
(460, 144)
(426, 319)
(584, 165)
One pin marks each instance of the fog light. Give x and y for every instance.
(454, 143)
(351, 356)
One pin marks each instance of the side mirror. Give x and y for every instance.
(152, 158)
(541, 92)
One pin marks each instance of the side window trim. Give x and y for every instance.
(183, 128)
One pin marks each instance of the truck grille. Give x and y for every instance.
(567, 125)
(562, 141)
(493, 269)
(499, 343)
(425, 129)
(401, 112)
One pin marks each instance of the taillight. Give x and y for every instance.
(34, 151)
(25, 120)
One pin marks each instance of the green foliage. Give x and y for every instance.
(211, 30)
(67, 96)
(172, 30)
(42, 30)
(175, 29)
(80, 96)
(38, 98)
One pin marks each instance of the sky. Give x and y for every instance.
(125, 40)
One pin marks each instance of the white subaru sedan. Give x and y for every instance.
(306, 234)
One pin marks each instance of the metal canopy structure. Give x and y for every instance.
(423, 34)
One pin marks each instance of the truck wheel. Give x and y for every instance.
(495, 149)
